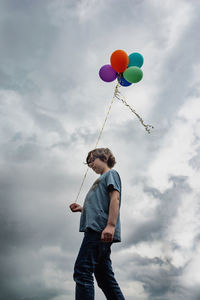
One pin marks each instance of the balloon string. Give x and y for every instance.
(82, 184)
(109, 109)
(120, 97)
(99, 137)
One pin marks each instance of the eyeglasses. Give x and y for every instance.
(91, 160)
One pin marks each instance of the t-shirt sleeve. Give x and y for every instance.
(113, 180)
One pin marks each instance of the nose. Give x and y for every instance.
(91, 164)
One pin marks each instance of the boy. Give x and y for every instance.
(100, 221)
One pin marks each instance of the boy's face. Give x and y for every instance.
(97, 165)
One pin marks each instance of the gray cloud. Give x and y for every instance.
(155, 228)
(178, 70)
(195, 160)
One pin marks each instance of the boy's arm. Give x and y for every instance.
(114, 208)
(108, 233)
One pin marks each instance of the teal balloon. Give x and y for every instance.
(133, 74)
(135, 59)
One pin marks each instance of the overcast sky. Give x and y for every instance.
(52, 106)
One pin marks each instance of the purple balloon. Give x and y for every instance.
(107, 73)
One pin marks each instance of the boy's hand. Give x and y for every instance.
(108, 233)
(75, 207)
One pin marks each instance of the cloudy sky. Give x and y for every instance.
(52, 106)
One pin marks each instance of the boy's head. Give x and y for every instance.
(103, 154)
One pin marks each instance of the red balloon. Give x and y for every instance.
(119, 61)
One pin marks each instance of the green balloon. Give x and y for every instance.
(133, 74)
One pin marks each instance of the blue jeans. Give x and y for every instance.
(94, 257)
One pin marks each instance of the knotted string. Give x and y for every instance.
(120, 97)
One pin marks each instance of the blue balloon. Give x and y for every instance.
(135, 60)
(123, 81)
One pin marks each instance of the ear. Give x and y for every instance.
(106, 158)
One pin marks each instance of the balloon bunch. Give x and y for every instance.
(123, 67)
(127, 71)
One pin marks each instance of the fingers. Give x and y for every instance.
(73, 206)
(106, 237)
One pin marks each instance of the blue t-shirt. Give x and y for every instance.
(96, 206)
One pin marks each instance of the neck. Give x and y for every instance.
(105, 170)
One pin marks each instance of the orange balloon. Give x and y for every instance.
(119, 61)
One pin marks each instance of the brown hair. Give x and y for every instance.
(103, 154)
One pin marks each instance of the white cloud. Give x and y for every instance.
(52, 107)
